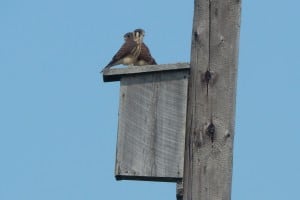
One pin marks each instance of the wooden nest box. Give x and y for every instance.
(152, 121)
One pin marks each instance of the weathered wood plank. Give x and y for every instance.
(211, 100)
(115, 74)
(151, 130)
(179, 190)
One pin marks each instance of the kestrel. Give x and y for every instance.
(145, 57)
(129, 51)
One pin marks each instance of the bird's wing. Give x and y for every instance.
(146, 55)
(125, 50)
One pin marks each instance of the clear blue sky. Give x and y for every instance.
(58, 120)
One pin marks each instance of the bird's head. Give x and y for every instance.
(139, 33)
(128, 36)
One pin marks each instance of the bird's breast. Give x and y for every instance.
(141, 63)
(128, 60)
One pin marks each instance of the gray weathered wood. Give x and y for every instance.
(179, 190)
(151, 130)
(115, 74)
(211, 107)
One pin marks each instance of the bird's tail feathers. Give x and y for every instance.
(109, 65)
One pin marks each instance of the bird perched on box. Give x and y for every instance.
(129, 51)
(145, 57)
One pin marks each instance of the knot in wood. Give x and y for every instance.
(207, 76)
(210, 131)
(196, 35)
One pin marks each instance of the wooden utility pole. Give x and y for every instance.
(211, 100)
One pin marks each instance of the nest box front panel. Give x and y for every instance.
(151, 130)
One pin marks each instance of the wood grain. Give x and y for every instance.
(211, 100)
(117, 73)
(151, 131)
